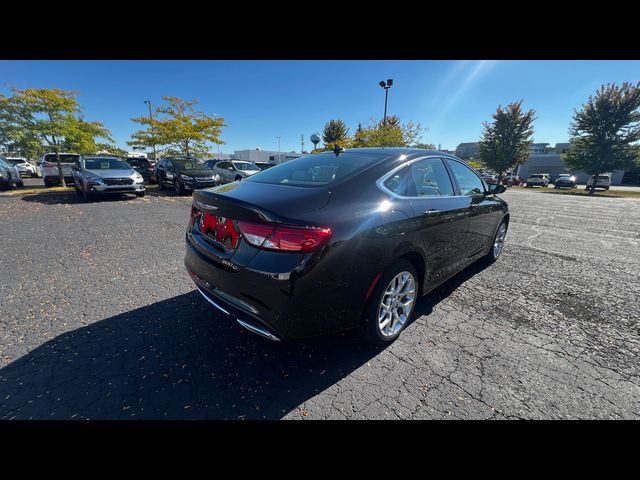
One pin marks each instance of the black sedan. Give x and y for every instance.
(338, 241)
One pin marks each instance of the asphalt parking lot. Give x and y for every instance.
(99, 319)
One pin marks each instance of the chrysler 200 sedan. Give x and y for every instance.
(338, 241)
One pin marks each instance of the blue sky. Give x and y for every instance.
(261, 100)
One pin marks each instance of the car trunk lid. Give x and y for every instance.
(214, 228)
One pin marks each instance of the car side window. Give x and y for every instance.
(430, 178)
(468, 182)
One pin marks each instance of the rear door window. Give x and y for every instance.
(468, 182)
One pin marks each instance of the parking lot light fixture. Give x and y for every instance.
(386, 85)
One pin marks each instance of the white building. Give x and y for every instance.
(266, 156)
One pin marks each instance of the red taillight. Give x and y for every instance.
(284, 238)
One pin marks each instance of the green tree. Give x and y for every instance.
(178, 127)
(505, 142)
(51, 118)
(605, 132)
(393, 134)
(425, 146)
(335, 132)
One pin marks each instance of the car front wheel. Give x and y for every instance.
(498, 243)
(391, 304)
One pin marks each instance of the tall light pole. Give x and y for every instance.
(155, 157)
(279, 160)
(386, 87)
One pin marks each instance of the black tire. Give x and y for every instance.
(491, 256)
(47, 183)
(20, 184)
(160, 184)
(179, 188)
(86, 196)
(370, 329)
(140, 194)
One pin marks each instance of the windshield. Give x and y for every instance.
(246, 166)
(187, 164)
(64, 158)
(105, 164)
(316, 170)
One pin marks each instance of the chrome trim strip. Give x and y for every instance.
(258, 330)
(381, 180)
(212, 302)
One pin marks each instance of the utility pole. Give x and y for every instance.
(155, 157)
(301, 142)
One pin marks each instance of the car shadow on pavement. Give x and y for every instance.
(177, 359)
(426, 304)
(71, 198)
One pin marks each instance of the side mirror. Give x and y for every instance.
(230, 168)
(495, 189)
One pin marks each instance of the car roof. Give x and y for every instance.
(92, 157)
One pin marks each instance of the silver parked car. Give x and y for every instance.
(101, 175)
(233, 170)
(26, 168)
(9, 175)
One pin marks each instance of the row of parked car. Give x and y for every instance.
(104, 174)
(563, 180)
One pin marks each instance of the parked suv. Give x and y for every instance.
(603, 182)
(565, 180)
(9, 175)
(25, 168)
(538, 180)
(185, 174)
(101, 175)
(143, 167)
(49, 168)
(233, 170)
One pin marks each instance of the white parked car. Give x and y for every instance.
(48, 167)
(23, 165)
(538, 180)
(234, 170)
(603, 182)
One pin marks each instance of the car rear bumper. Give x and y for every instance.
(300, 300)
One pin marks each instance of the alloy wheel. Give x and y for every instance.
(498, 244)
(396, 304)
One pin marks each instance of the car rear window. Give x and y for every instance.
(536, 176)
(138, 162)
(316, 170)
(64, 158)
